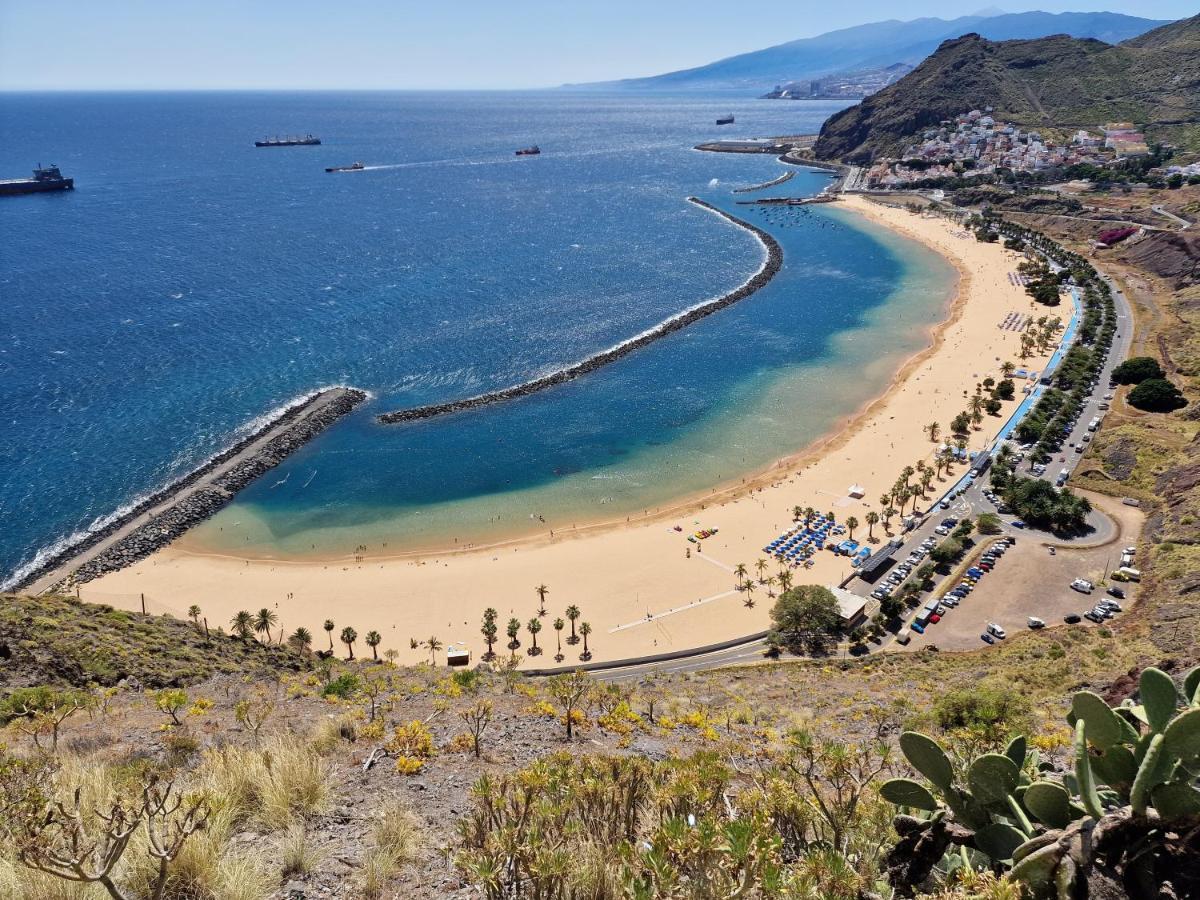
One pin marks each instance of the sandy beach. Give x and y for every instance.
(642, 586)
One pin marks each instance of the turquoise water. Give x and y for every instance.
(193, 283)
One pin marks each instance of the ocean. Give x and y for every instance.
(192, 283)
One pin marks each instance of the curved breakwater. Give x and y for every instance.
(769, 268)
(785, 177)
(194, 497)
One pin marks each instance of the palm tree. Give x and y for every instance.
(906, 473)
(542, 591)
(489, 631)
(572, 615)
(329, 630)
(559, 624)
(872, 520)
(761, 566)
(514, 628)
(888, 513)
(933, 429)
(242, 624)
(585, 629)
(534, 625)
(851, 524)
(374, 639)
(785, 580)
(433, 645)
(1007, 369)
(748, 587)
(349, 636)
(301, 639)
(885, 501)
(739, 571)
(264, 622)
(194, 614)
(797, 512)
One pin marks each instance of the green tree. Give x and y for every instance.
(806, 616)
(559, 624)
(433, 645)
(542, 591)
(513, 629)
(243, 624)
(489, 631)
(264, 622)
(534, 625)
(194, 615)
(933, 429)
(872, 520)
(567, 691)
(1156, 395)
(349, 636)
(584, 630)
(572, 615)
(329, 626)
(301, 639)
(374, 639)
(1137, 369)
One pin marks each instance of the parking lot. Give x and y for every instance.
(1026, 581)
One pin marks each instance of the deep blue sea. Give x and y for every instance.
(193, 283)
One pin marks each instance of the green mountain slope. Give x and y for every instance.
(1055, 81)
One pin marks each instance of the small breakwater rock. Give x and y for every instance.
(191, 503)
(767, 271)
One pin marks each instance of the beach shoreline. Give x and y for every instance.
(647, 559)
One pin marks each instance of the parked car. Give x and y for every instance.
(996, 630)
(934, 619)
(1082, 585)
(987, 638)
(1017, 523)
(1071, 619)
(917, 627)
(1036, 623)
(1117, 592)
(1092, 616)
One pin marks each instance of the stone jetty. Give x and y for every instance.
(160, 518)
(768, 270)
(785, 177)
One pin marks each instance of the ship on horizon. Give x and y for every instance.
(288, 141)
(353, 167)
(725, 120)
(44, 179)
(530, 151)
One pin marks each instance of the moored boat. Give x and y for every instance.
(46, 178)
(725, 120)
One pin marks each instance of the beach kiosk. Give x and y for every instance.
(857, 491)
(457, 655)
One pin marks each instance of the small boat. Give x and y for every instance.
(725, 120)
(355, 167)
(530, 151)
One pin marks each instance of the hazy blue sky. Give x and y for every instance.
(148, 44)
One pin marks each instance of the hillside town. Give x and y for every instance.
(975, 144)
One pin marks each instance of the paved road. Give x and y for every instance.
(1181, 222)
(972, 501)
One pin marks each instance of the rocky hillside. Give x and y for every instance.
(1054, 81)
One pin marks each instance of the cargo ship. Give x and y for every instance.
(725, 120)
(529, 151)
(44, 179)
(307, 141)
(354, 167)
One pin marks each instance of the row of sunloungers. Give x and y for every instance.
(797, 545)
(1015, 321)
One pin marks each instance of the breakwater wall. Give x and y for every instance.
(767, 271)
(158, 519)
(786, 176)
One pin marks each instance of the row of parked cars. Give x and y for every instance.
(934, 610)
(900, 574)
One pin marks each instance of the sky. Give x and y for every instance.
(402, 44)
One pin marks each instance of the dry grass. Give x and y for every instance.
(297, 853)
(280, 783)
(394, 843)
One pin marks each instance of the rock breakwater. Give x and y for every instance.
(785, 177)
(769, 268)
(195, 497)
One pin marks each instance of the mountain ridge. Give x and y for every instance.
(1061, 81)
(875, 45)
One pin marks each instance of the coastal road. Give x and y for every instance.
(171, 498)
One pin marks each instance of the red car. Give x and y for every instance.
(934, 619)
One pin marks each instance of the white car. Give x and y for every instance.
(995, 629)
(1036, 623)
(1083, 585)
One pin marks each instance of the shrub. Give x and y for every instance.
(804, 616)
(343, 687)
(991, 712)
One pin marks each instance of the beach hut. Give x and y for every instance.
(458, 655)
(857, 491)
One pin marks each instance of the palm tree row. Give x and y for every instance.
(490, 630)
